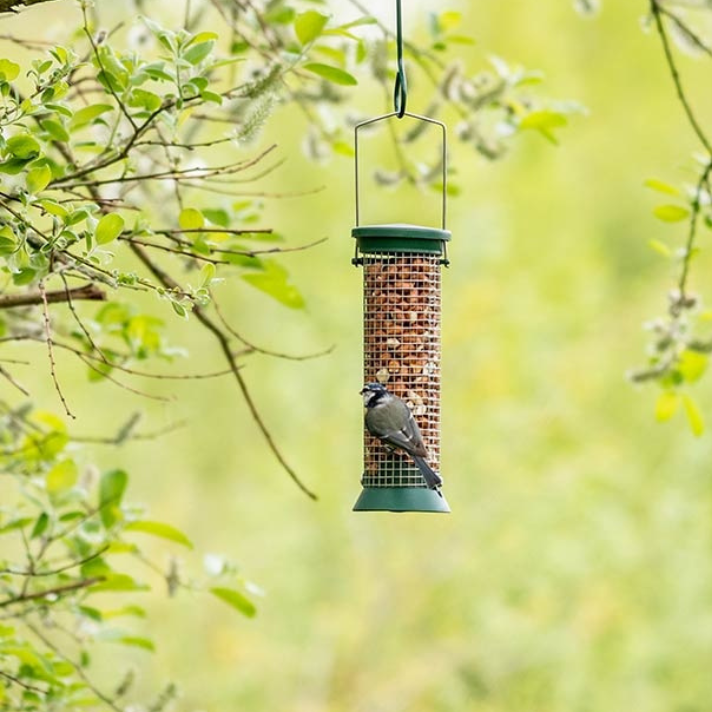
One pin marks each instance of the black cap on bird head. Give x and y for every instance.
(373, 388)
(372, 392)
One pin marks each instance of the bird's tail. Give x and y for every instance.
(431, 477)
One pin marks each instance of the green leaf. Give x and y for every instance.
(211, 96)
(273, 280)
(666, 406)
(218, 216)
(87, 114)
(40, 526)
(661, 187)
(236, 599)
(62, 476)
(694, 416)
(207, 273)
(191, 219)
(131, 610)
(467, 40)
(331, 74)
(692, 365)
(671, 213)
(7, 245)
(119, 582)
(111, 490)
(279, 15)
(9, 69)
(25, 276)
(38, 179)
(449, 20)
(55, 129)
(109, 228)
(14, 165)
(359, 23)
(179, 309)
(159, 529)
(660, 247)
(197, 53)
(96, 567)
(308, 25)
(23, 146)
(15, 524)
(53, 208)
(142, 99)
(136, 642)
(544, 121)
(203, 37)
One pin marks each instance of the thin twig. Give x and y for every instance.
(214, 329)
(56, 591)
(694, 220)
(20, 683)
(76, 666)
(50, 350)
(120, 437)
(258, 349)
(685, 30)
(59, 570)
(675, 74)
(9, 377)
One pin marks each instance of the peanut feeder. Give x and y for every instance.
(401, 343)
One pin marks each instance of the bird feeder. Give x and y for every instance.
(401, 341)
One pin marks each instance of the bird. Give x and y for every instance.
(391, 421)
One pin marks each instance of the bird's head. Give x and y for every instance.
(372, 393)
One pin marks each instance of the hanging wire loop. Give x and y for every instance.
(400, 93)
(443, 159)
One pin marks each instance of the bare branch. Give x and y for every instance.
(9, 377)
(89, 292)
(20, 683)
(658, 12)
(56, 591)
(59, 570)
(258, 349)
(168, 282)
(77, 667)
(50, 350)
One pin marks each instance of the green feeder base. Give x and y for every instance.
(400, 499)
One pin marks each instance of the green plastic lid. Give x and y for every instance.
(400, 237)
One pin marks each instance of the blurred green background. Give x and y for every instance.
(575, 571)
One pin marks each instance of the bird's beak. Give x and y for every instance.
(362, 391)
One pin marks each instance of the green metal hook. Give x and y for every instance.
(400, 94)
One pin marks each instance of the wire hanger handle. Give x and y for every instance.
(443, 158)
(400, 93)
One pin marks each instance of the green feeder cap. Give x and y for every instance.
(401, 499)
(400, 237)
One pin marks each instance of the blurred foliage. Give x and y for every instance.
(114, 185)
(682, 343)
(574, 572)
(66, 533)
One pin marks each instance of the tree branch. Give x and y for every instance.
(169, 283)
(658, 11)
(89, 292)
(12, 5)
(57, 591)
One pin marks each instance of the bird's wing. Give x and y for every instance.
(406, 438)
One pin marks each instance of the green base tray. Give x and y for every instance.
(400, 499)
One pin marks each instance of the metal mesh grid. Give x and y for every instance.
(401, 310)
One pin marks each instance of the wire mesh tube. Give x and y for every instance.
(402, 351)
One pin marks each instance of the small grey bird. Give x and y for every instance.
(390, 420)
